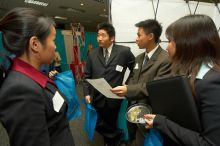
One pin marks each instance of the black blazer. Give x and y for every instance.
(27, 113)
(208, 96)
(96, 68)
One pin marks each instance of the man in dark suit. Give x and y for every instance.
(109, 61)
(150, 65)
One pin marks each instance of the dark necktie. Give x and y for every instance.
(146, 58)
(106, 56)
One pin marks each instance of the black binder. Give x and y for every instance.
(172, 97)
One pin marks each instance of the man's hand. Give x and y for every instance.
(88, 98)
(120, 90)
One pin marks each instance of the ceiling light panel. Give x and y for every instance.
(35, 2)
(75, 10)
(59, 17)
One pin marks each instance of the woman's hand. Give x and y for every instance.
(52, 73)
(149, 119)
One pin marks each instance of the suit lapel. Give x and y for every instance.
(148, 65)
(152, 59)
(101, 56)
(139, 62)
(113, 54)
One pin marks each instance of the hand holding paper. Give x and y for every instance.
(120, 90)
(103, 87)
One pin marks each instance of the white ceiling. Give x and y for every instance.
(207, 1)
(88, 14)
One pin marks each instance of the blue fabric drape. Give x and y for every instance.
(2, 49)
(3, 61)
(121, 121)
(90, 38)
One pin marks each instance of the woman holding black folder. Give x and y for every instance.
(194, 50)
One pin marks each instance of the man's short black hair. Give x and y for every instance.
(151, 26)
(108, 28)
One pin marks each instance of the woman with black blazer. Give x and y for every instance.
(32, 109)
(194, 50)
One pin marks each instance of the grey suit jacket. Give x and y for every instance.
(157, 67)
(120, 59)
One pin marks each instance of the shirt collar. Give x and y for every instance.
(150, 54)
(203, 70)
(30, 71)
(109, 49)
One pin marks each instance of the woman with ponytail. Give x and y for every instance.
(32, 109)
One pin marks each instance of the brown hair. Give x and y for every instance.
(197, 41)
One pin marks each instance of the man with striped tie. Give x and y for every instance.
(151, 64)
(109, 61)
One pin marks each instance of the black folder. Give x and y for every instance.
(172, 97)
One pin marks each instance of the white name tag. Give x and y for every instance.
(136, 66)
(57, 101)
(119, 68)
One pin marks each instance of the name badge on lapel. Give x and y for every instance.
(136, 66)
(119, 68)
(57, 101)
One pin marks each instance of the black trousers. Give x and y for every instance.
(107, 125)
(132, 128)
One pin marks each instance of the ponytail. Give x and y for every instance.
(5, 64)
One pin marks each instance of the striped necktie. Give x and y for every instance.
(106, 56)
(146, 58)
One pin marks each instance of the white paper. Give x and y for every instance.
(103, 87)
(57, 101)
